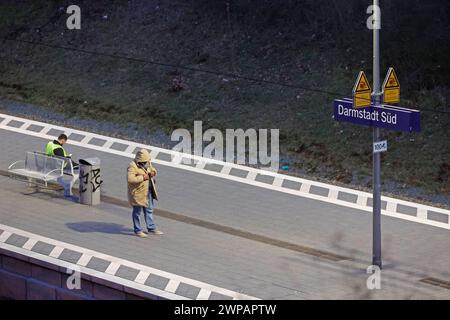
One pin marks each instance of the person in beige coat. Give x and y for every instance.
(142, 192)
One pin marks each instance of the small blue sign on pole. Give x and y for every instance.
(385, 116)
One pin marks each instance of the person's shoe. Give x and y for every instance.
(155, 231)
(141, 235)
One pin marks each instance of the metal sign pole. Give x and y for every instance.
(376, 250)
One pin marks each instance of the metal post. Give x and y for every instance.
(376, 250)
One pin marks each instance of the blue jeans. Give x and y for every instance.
(148, 216)
(66, 185)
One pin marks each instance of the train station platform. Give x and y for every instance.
(245, 238)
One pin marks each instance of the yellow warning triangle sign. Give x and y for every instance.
(362, 92)
(362, 84)
(391, 80)
(391, 87)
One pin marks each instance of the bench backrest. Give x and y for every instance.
(67, 163)
(38, 162)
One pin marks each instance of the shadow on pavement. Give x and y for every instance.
(103, 227)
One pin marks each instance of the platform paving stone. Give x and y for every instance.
(70, 256)
(16, 240)
(43, 248)
(98, 264)
(157, 281)
(127, 273)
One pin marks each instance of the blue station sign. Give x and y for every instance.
(385, 116)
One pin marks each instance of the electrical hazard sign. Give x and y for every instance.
(362, 92)
(391, 87)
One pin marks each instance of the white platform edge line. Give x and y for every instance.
(112, 268)
(422, 214)
(29, 244)
(93, 273)
(225, 170)
(5, 236)
(203, 294)
(108, 144)
(361, 200)
(84, 260)
(277, 181)
(142, 277)
(305, 188)
(251, 175)
(56, 252)
(61, 246)
(172, 286)
(333, 193)
(130, 148)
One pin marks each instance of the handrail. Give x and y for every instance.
(14, 163)
(48, 173)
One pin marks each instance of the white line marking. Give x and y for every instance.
(333, 193)
(391, 206)
(251, 175)
(44, 131)
(84, 260)
(86, 139)
(142, 277)
(361, 201)
(29, 244)
(304, 192)
(422, 214)
(225, 170)
(130, 148)
(277, 182)
(4, 236)
(108, 144)
(153, 154)
(68, 133)
(200, 165)
(56, 252)
(305, 188)
(203, 294)
(112, 268)
(172, 286)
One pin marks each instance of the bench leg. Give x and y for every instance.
(32, 184)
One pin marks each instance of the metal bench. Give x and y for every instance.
(40, 169)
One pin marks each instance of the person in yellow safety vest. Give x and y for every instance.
(55, 148)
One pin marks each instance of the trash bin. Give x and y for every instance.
(90, 181)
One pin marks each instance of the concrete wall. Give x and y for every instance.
(23, 277)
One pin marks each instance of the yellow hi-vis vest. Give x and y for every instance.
(51, 147)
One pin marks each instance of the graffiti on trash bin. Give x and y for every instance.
(94, 180)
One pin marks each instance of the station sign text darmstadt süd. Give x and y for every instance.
(384, 116)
